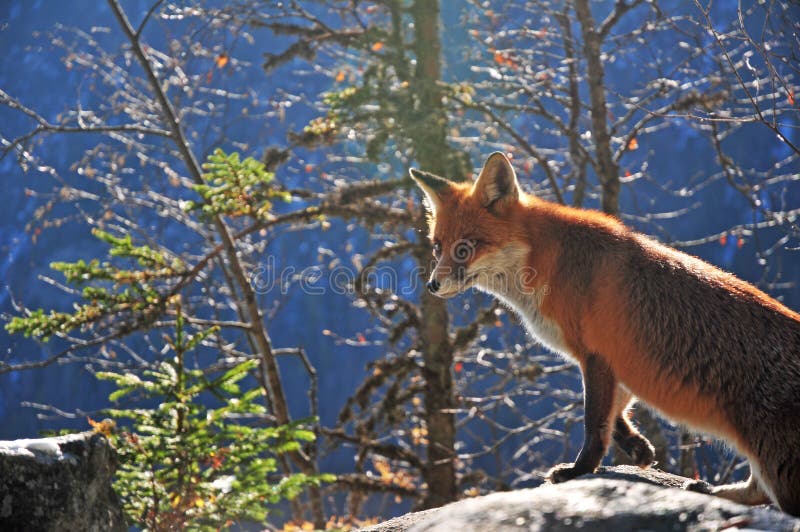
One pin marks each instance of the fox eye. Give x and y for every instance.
(464, 250)
(437, 248)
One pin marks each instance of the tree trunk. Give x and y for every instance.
(687, 463)
(607, 169)
(435, 155)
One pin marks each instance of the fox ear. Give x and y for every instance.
(433, 187)
(497, 185)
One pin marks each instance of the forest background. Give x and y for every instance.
(118, 121)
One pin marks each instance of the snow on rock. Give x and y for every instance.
(30, 447)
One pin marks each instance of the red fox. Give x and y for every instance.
(642, 320)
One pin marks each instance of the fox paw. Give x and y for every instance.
(640, 450)
(564, 472)
(697, 486)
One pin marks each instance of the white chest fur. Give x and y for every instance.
(504, 274)
(545, 330)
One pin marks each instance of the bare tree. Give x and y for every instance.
(157, 103)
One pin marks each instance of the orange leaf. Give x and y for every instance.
(723, 240)
(458, 367)
(504, 59)
(790, 97)
(340, 76)
(377, 47)
(627, 173)
(739, 242)
(633, 144)
(361, 338)
(382, 466)
(105, 427)
(309, 168)
(527, 165)
(222, 60)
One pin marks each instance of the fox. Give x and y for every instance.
(643, 321)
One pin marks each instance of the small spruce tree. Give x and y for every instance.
(187, 465)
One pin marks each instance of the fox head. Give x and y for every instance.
(475, 230)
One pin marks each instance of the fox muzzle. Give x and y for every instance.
(433, 286)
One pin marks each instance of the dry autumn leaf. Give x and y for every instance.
(105, 427)
(221, 60)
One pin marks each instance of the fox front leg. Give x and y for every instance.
(599, 386)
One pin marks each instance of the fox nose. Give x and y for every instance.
(433, 286)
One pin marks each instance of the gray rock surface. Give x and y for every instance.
(615, 498)
(61, 483)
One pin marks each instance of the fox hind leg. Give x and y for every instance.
(748, 492)
(781, 476)
(774, 468)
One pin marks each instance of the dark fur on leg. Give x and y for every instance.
(633, 443)
(599, 385)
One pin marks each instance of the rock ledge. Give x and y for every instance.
(61, 483)
(616, 498)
